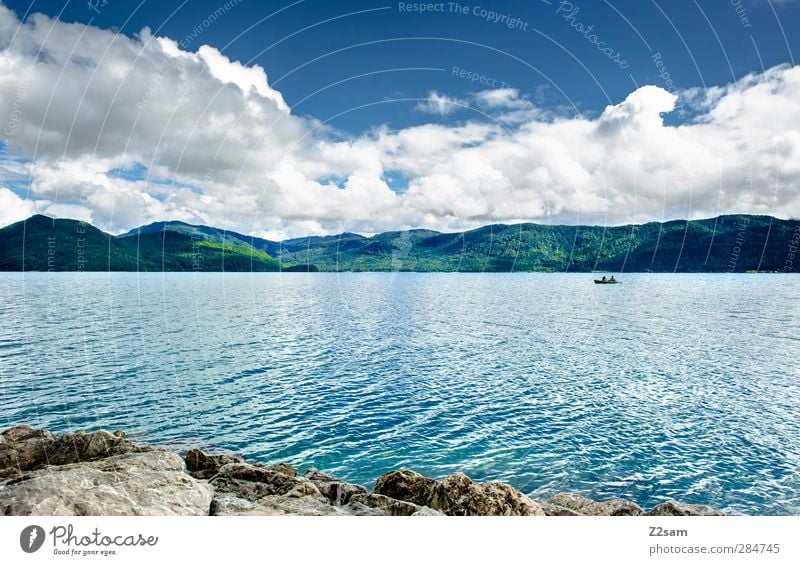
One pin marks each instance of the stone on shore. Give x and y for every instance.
(406, 485)
(252, 481)
(27, 449)
(673, 508)
(250, 489)
(204, 466)
(458, 495)
(556, 510)
(582, 506)
(152, 483)
(335, 490)
(288, 506)
(303, 499)
(392, 507)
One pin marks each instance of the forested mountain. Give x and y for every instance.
(735, 243)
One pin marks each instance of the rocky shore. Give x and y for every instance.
(102, 473)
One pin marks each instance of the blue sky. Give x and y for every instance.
(703, 43)
(390, 118)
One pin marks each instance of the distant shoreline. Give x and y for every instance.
(726, 244)
(615, 273)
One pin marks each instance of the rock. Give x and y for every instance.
(458, 495)
(673, 508)
(392, 507)
(406, 485)
(354, 508)
(426, 511)
(583, 506)
(284, 468)
(203, 466)
(335, 490)
(26, 449)
(247, 490)
(252, 481)
(23, 449)
(260, 472)
(229, 505)
(152, 483)
(551, 509)
(82, 446)
(20, 433)
(292, 506)
(303, 500)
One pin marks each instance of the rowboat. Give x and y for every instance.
(596, 281)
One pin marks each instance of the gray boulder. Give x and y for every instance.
(224, 504)
(252, 481)
(22, 449)
(19, 433)
(26, 449)
(392, 507)
(355, 508)
(583, 506)
(289, 506)
(406, 485)
(152, 483)
(551, 509)
(303, 500)
(284, 468)
(673, 508)
(204, 466)
(335, 490)
(458, 495)
(253, 489)
(82, 446)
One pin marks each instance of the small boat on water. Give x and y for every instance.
(604, 280)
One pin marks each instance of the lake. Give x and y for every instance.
(666, 386)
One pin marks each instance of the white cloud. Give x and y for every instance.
(220, 146)
(509, 107)
(440, 104)
(13, 208)
(246, 78)
(507, 98)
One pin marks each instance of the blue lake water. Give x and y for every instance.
(684, 386)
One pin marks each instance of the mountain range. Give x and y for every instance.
(731, 243)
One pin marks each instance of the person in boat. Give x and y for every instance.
(612, 279)
(603, 279)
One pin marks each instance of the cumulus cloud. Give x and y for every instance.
(219, 145)
(13, 208)
(440, 104)
(506, 98)
(509, 107)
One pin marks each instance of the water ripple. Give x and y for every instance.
(679, 386)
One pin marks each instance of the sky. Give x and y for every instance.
(287, 118)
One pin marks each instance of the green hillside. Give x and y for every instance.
(44, 244)
(214, 235)
(41, 244)
(727, 243)
(736, 243)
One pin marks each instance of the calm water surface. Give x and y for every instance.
(683, 386)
